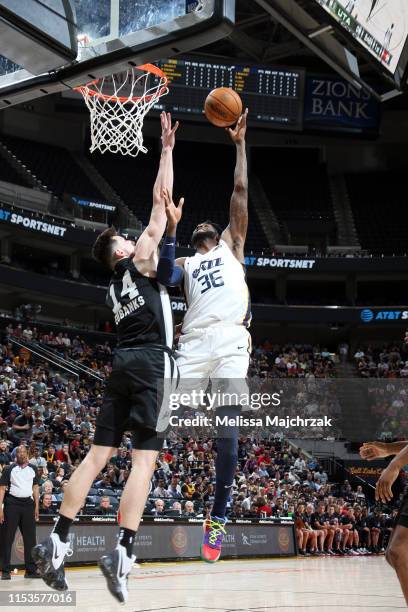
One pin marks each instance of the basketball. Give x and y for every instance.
(223, 107)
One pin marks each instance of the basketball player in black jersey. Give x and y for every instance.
(397, 549)
(144, 323)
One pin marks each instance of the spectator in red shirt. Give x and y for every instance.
(62, 454)
(262, 507)
(264, 458)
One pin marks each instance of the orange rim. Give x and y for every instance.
(146, 67)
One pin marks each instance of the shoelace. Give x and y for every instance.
(216, 532)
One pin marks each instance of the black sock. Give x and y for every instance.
(62, 527)
(226, 465)
(127, 539)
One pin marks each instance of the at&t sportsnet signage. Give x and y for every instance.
(32, 223)
(91, 204)
(379, 316)
(279, 262)
(47, 225)
(333, 103)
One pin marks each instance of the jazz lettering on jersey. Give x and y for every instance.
(208, 264)
(129, 292)
(211, 276)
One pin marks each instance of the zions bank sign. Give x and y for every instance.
(335, 104)
(368, 316)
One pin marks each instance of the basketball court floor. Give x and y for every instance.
(353, 584)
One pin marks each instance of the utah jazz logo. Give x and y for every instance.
(208, 265)
(211, 277)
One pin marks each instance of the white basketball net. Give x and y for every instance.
(118, 106)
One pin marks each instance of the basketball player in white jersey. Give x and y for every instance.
(215, 342)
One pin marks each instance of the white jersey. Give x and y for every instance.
(215, 289)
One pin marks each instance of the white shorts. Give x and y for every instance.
(216, 353)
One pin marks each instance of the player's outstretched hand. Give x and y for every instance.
(383, 491)
(373, 450)
(173, 212)
(168, 133)
(238, 133)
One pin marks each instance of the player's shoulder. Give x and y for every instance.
(34, 468)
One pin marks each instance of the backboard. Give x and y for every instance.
(117, 33)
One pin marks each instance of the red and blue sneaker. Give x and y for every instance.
(214, 529)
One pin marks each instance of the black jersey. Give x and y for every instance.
(319, 518)
(141, 307)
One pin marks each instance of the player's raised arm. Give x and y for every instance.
(379, 450)
(383, 490)
(150, 238)
(169, 271)
(235, 234)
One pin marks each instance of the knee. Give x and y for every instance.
(96, 459)
(396, 555)
(144, 458)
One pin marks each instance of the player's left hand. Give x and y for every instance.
(383, 488)
(238, 133)
(173, 212)
(168, 133)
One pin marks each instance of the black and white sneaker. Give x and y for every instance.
(116, 568)
(49, 558)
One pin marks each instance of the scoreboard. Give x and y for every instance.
(274, 96)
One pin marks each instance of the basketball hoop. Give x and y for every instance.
(118, 105)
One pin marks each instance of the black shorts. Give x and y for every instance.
(133, 398)
(402, 516)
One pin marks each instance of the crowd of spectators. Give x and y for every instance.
(292, 361)
(387, 361)
(54, 415)
(384, 371)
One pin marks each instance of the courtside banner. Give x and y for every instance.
(169, 538)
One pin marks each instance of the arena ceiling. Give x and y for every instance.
(258, 38)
